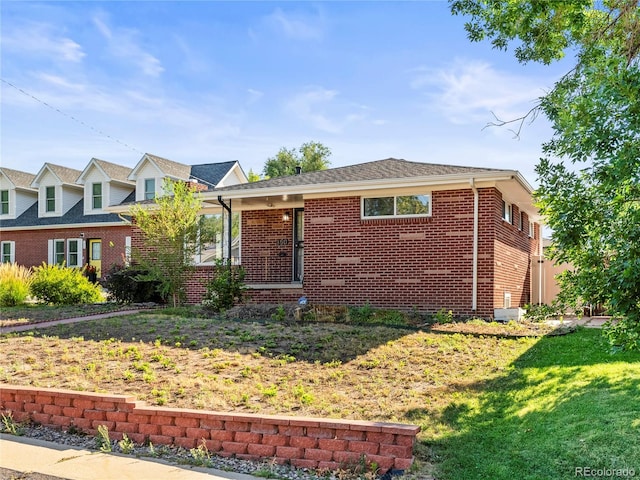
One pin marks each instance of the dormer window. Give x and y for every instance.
(149, 188)
(4, 202)
(50, 199)
(96, 196)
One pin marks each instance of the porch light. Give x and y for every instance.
(285, 217)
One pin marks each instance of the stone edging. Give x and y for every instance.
(301, 441)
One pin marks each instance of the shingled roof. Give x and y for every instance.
(390, 168)
(113, 170)
(211, 174)
(18, 178)
(171, 168)
(65, 174)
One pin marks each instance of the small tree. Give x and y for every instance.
(170, 228)
(310, 157)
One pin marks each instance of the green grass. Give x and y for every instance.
(491, 403)
(565, 404)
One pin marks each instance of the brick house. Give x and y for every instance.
(389, 233)
(61, 215)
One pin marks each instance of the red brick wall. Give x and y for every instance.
(304, 442)
(32, 245)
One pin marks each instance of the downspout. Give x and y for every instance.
(474, 284)
(229, 223)
(540, 262)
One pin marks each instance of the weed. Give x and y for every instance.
(443, 316)
(102, 439)
(9, 425)
(305, 397)
(280, 314)
(126, 444)
(201, 455)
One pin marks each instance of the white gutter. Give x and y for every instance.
(474, 284)
(540, 263)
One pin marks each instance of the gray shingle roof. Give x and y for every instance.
(115, 171)
(211, 173)
(18, 178)
(390, 168)
(75, 215)
(171, 168)
(65, 174)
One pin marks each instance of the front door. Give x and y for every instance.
(95, 255)
(298, 244)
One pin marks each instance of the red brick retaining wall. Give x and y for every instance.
(303, 442)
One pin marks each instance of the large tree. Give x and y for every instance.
(590, 174)
(170, 227)
(310, 157)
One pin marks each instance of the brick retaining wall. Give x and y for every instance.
(303, 442)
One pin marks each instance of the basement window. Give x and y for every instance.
(418, 205)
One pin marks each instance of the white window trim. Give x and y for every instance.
(12, 251)
(507, 214)
(92, 197)
(52, 250)
(532, 230)
(9, 203)
(127, 251)
(395, 206)
(144, 188)
(80, 242)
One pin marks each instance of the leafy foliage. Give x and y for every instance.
(226, 288)
(170, 228)
(59, 285)
(310, 157)
(14, 284)
(130, 285)
(590, 176)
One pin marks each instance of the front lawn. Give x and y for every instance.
(490, 405)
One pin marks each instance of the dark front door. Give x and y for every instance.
(298, 244)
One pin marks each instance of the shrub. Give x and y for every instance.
(131, 285)
(59, 285)
(226, 288)
(14, 284)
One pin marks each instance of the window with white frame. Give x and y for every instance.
(8, 250)
(418, 205)
(211, 238)
(74, 252)
(507, 212)
(149, 188)
(4, 202)
(96, 196)
(50, 199)
(532, 229)
(56, 252)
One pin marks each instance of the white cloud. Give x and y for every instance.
(254, 95)
(309, 106)
(296, 26)
(468, 92)
(124, 44)
(41, 39)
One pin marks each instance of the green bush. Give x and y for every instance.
(14, 284)
(58, 285)
(226, 288)
(131, 285)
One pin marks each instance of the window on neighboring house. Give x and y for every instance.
(96, 196)
(8, 252)
(56, 252)
(418, 205)
(211, 243)
(532, 229)
(507, 212)
(50, 199)
(521, 223)
(4, 202)
(74, 252)
(149, 188)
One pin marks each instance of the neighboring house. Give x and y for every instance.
(389, 233)
(61, 215)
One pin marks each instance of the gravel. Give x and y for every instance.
(197, 457)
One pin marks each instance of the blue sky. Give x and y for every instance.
(212, 81)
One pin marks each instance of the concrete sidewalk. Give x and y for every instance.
(45, 460)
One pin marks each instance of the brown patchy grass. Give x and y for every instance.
(32, 313)
(366, 372)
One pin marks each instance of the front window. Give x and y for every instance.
(211, 238)
(50, 196)
(58, 252)
(149, 188)
(418, 205)
(96, 196)
(4, 202)
(8, 252)
(73, 253)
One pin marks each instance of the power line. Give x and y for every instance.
(55, 109)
